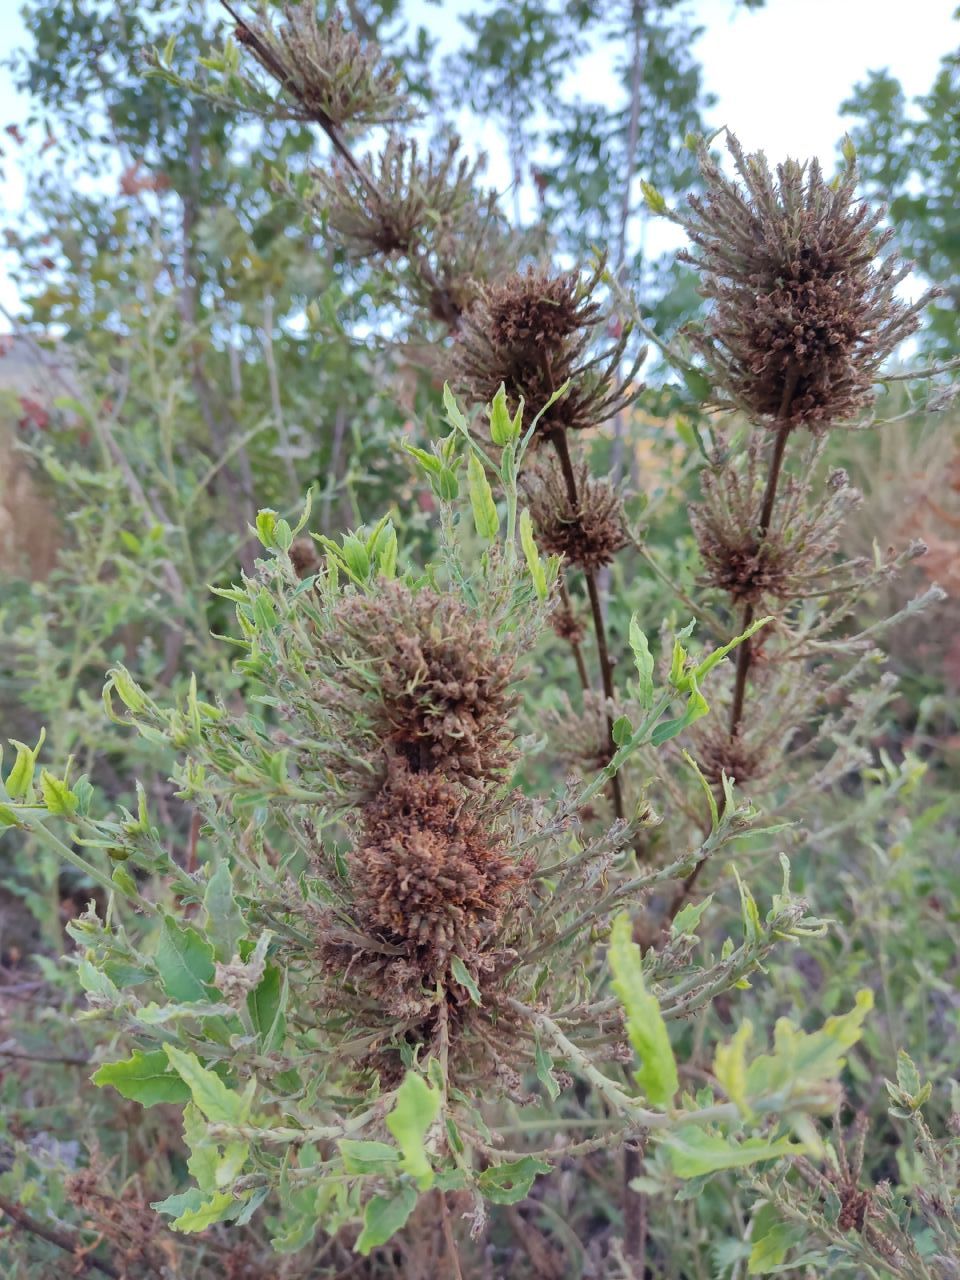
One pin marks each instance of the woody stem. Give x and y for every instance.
(559, 440)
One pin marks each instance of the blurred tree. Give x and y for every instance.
(910, 158)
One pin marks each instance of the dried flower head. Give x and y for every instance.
(407, 202)
(428, 874)
(568, 624)
(580, 736)
(796, 556)
(304, 557)
(804, 308)
(532, 332)
(331, 76)
(590, 532)
(430, 678)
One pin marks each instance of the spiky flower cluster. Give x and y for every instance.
(429, 872)
(588, 532)
(430, 680)
(427, 687)
(409, 194)
(427, 215)
(795, 556)
(329, 76)
(531, 332)
(804, 310)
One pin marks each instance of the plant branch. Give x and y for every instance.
(68, 1242)
(559, 440)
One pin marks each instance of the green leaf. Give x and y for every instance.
(688, 917)
(463, 975)
(454, 414)
(698, 384)
(264, 614)
(657, 1075)
(692, 1152)
(652, 198)
(57, 796)
(266, 526)
(802, 1060)
(224, 923)
(145, 1078)
(544, 1065)
(532, 555)
(204, 1215)
(772, 1238)
(908, 1077)
(511, 1182)
(718, 655)
(128, 691)
(622, 730)
(696, 709)
(368, 1157)
(485, 515)
(176, 1204)
(504, 430)
(95, 982)
(210, 1095)
(644, 662)
(446, 485)
(20, 778)
(383, 1217)
(708, 790)
(185, 962)
(429, 461)
(414, 1111)
(204, 1152)
(266, 1005)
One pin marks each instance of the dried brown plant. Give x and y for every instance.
(804, 309)
(588, 535)
(533, 332)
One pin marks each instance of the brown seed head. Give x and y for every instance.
(531, 332)
(590, 533)
(427, 871)
(804, 310)
(430, 676)
(331, 76)
(794, 556)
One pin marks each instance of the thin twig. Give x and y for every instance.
(69, 1242)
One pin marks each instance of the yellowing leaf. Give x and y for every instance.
(413, 1113)
(485, 515)
(219, 1104)
(657, 1074)
(730, 1065)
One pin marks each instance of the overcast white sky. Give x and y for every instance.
(779, 74)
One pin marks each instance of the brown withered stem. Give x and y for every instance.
(801, 298)
(531, 333)
(69, 1242)
(559, 440)
(568, 626)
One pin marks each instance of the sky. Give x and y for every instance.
(780, 74)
